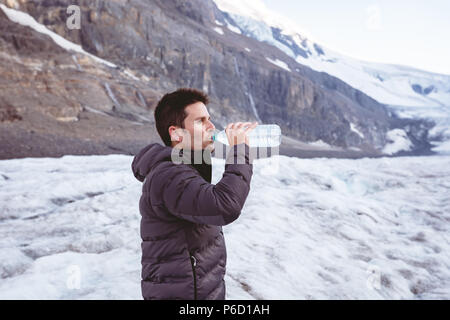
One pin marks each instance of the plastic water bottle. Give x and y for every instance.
(263, 135)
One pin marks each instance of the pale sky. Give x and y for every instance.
(408, 32)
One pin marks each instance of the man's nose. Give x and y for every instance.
(211, 126)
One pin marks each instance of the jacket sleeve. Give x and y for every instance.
(186, 195)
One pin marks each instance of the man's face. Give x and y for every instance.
(198, 129)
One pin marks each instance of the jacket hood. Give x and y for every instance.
(154, 153)
(148, 158)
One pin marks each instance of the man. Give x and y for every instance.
(182, 213)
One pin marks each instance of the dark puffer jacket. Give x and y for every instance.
(182, 214)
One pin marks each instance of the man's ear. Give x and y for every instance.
(175, 134)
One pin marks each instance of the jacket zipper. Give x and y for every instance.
(194, 263)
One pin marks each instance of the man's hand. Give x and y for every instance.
(237, 133)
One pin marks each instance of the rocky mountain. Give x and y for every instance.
(99, 99)
(389, 84)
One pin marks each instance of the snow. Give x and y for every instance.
(439, 135)
(130, 74)
(279, 63)
(256, 10)
(442, 148)
(233, 28)
(388, 84)
(355, 129)
(25, 19)
(313, 229)
(260, 31)
(398, 141)
(218, 30)
(248, 50)
(320, 143)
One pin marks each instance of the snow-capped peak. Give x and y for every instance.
(389, 84)
(258, 11)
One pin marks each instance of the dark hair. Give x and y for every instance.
(170, 110)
